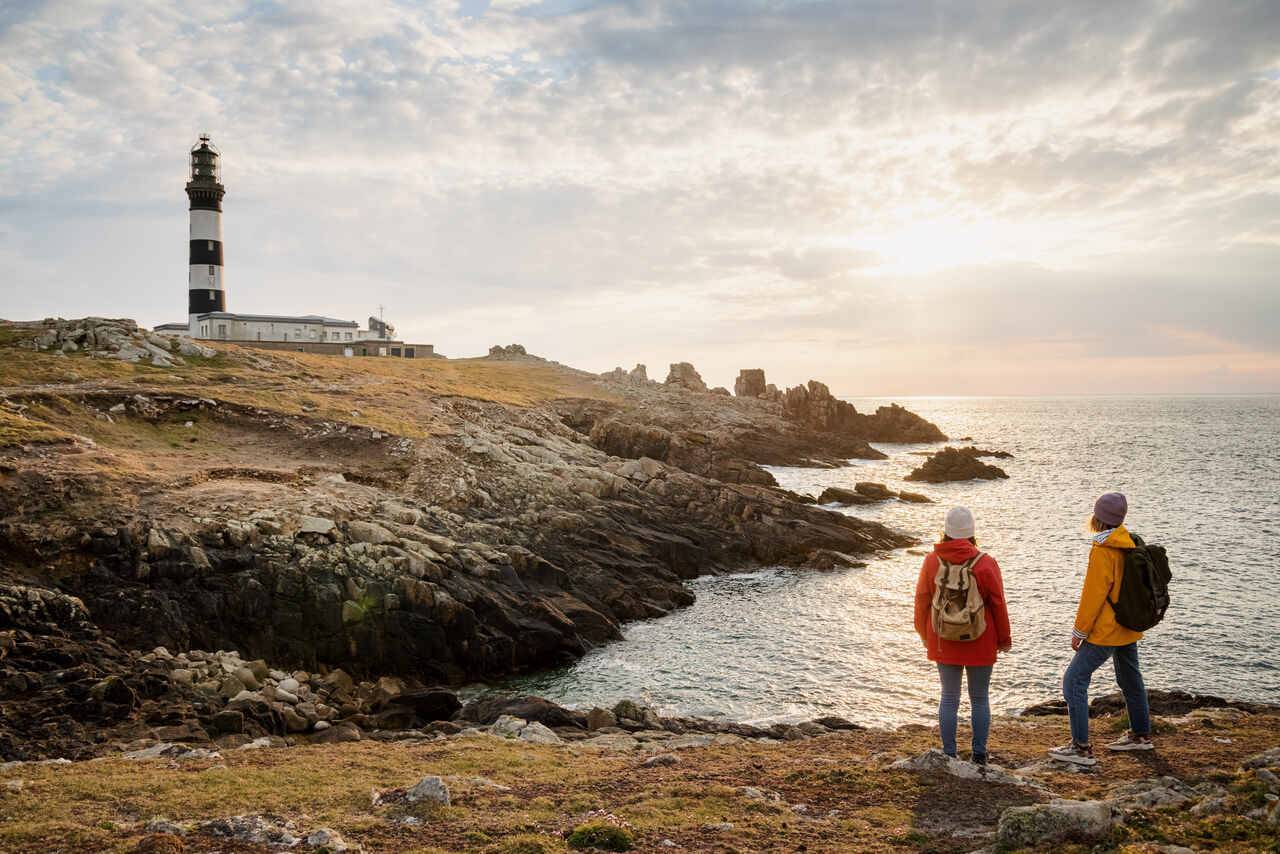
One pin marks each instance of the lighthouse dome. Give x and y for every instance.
(204, 161)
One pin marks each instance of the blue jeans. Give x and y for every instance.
(979, 705)
(1075, 687)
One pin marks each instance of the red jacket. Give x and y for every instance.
(986, 572)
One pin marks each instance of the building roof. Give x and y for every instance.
(276, 318)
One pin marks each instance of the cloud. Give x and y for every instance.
(651, 180)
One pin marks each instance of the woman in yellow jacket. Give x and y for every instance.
(1097, 636)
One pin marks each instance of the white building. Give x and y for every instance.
(207, 315)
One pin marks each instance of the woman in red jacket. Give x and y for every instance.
(955, 658)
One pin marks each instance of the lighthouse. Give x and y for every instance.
(205, 284)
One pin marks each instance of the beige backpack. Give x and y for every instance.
(958, 609)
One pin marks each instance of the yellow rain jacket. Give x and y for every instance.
(1095, 618)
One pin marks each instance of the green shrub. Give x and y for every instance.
(598, 834)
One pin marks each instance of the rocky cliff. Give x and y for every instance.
(438, 520)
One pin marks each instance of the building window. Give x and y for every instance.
(348, 336)
(222, 330)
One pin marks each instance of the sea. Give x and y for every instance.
(1202, 475)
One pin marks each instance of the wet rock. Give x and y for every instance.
(1054, 822)
(847, 497)
(1162, 703)
(956, 464)
(874, 491)
(833, 722)
(430, 704)
(487, 710)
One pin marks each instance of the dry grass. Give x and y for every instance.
(22, 430)
(379, 393)
(851, 802)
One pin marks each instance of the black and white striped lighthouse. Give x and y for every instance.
(205, 285)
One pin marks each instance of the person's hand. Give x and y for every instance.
(1075, 643)
(1004, 648)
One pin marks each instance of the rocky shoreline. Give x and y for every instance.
(309, 512)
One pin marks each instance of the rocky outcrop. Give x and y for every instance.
(512, 353)
(68, 689)
(955, 464)
(107, 338)
(750, 383)
(508, 544)
(868, 493)
(684, 375)
(814, 406)
(636, 376)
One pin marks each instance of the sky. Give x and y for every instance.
(897, 198)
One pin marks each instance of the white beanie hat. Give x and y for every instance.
(959, 523)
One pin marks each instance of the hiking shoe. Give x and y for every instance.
(1075, 754)
(1132, 742)
(979, 759)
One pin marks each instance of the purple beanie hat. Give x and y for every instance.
(1110, 508)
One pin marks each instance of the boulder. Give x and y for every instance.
(315, 525)
(1055, 822)
(429, 704)
(508, 726)
(338, 733)
(489, 709)
(914, 498)
(537, 733)
(936, 761)
(430, 789)
(599, 718)
(369, 532)
(684, 375)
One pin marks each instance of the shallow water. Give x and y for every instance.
(1203, 478)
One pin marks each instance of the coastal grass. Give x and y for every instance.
(833, 793)
(18, 430)
(384, 394)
